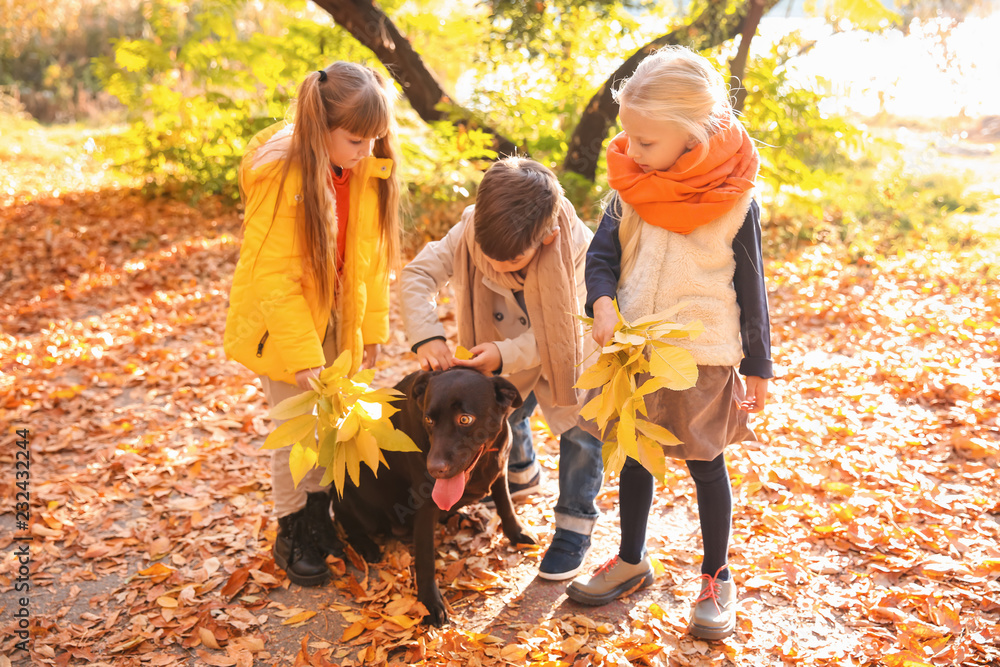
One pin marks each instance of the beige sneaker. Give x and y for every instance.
(714, 614)
(614, 579)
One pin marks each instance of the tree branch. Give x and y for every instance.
(738, 65)
(368, 24)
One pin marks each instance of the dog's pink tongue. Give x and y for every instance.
(447, 492)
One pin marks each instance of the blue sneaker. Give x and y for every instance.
(564, 557)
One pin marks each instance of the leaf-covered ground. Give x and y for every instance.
(867, 526)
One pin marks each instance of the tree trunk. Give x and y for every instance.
(738, 65)
(711, 28)
(368, 24)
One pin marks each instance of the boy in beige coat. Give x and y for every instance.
(516, 261)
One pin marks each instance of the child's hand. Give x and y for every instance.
(434, 355)
(302, 377)
(485, 359)
(756, 394)
(605, 319)
(369, 356)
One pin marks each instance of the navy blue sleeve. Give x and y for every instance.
(604, 257)
(751, 296)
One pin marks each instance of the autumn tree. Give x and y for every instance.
(710, 24)
(482, 80)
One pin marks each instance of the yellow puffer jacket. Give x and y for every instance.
(275, 324)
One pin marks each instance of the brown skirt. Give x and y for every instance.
(705, 418)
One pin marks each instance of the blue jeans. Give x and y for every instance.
(581, 469)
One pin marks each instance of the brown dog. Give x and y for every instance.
(458, 419)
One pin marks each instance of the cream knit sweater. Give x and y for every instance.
(698, 268)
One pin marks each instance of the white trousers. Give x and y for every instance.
(288, 498)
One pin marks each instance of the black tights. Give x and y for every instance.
(715, 510)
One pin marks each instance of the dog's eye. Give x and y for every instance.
(465, 420)
(428, 420)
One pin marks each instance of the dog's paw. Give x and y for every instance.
(467, 519)
(437, 617)
(369, 551)
(362, 546)
(331, 544)
(524, 536)
(437, 614)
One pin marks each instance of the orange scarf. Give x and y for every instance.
(702, 184)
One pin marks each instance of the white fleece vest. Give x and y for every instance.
(696, 267)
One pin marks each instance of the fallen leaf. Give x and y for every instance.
(299, 618)
(208, 638)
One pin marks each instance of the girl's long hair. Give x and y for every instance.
(678, 86)
(359, 100)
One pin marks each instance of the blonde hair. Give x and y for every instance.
(360, 100)
(515, 207)
(678, 86)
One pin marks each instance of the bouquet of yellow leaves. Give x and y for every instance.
(616, 370)
(339, 425)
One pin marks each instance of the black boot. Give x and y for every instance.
(321, 525)
(296, 553)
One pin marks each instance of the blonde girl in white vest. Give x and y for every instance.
(320, 235)
(682, 226)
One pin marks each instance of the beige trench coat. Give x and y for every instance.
(433, 267)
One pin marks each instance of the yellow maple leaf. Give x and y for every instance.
(635, 350)
(338, 425)
(290, 432)
(301, 460)
(296, 405)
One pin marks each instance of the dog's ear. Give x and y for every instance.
(507, 394)
(419, 386)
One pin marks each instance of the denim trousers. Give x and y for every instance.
(581, 469)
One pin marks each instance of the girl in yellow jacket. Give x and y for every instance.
(321, 231)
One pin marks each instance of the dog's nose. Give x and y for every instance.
(438, 467)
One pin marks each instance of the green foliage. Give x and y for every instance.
(46, 50)
(526, 23)
(800, 146)
(883, 206)
(802, 149)
(530, 86)
(861, 14)
(534, 85)
(211, 74)
(206, 75)
(936, 9)
(442, 165)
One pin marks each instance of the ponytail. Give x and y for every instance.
(316, 219)
(389, 196)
